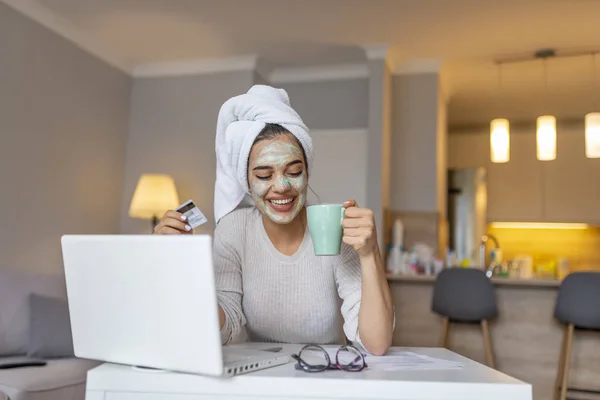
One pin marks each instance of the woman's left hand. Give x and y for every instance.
(359, 228)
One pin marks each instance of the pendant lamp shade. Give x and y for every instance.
(592, 135)
(500, 140)
(546, 138)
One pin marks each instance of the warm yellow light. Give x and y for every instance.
(499, 140)
(546, 138)
(538, 225)
(154, 194)
(592, 135)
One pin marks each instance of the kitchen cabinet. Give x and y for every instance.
(571, 188)
(515, 188)
(525, 189)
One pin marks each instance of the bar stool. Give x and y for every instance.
(577, 307)
(465, 295)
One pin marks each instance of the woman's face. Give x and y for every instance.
(277, 178)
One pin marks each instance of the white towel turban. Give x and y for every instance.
(240, 120)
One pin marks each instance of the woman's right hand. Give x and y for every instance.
(173, 223)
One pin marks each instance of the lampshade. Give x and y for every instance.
(592, 135)
(499, 140)
(546, 138)
(154, 194)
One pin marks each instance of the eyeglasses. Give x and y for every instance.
(314, 358)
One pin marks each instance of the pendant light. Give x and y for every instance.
(546, 138)
(500, 133)
(546, 124)
(499, 140)
(592, 123)
(592, 135)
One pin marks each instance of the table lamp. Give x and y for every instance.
(153, 196)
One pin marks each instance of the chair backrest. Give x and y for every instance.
(464, 295)
(578, 300)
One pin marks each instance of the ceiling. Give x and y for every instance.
(468, 35)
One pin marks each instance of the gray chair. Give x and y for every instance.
(577, 307)
(465, 295)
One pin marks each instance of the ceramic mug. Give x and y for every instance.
(325, 228)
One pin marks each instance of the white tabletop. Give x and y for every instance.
(473, 381)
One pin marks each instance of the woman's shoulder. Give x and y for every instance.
(235, 222)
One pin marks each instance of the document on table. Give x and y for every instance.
(398, 360)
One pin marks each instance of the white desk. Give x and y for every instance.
(474, 381)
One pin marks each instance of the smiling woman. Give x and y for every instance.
(271, 287)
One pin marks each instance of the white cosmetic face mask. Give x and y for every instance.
(281, 181)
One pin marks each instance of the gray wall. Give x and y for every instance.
(63, 128)
(378, 144)
(259, 80)
(172, 130)
(330, 108)
(338, 104)
(339, 171)
(414, 160)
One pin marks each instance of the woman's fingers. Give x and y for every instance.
(165, 230)
(359, 228)
(358, 242)
(172, 222)
(355, 232)
(175, 215)
(350, 203)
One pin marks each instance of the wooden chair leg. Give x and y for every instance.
(487, 341)
(560, 369)
(445, 332)
(567, 365)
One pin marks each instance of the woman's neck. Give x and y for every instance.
(286, 238)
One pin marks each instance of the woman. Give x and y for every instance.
(270, 284)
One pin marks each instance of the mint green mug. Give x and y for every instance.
(325, 228)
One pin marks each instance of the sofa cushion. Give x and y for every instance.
(15, 287)
(60, 379)
(49, 328)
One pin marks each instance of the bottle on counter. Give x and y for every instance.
(496, 256)
(546, 268)
(525, 266)
(413, 263)
(562, 268)
(451, 259)
(398, 234)
(438, 266)
(389, 263)
(395, 263)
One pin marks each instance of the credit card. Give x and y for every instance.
(195, 218)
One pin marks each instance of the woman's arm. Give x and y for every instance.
(222, 318)
(228, 279)
(376, 314)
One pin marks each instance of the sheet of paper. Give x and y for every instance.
(397, 360)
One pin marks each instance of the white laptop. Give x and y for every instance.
(150, 301)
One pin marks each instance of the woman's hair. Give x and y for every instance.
(272, 131)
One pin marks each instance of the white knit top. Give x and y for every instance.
(270, 297)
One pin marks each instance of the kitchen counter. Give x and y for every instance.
(525, 336)
(534, 282)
